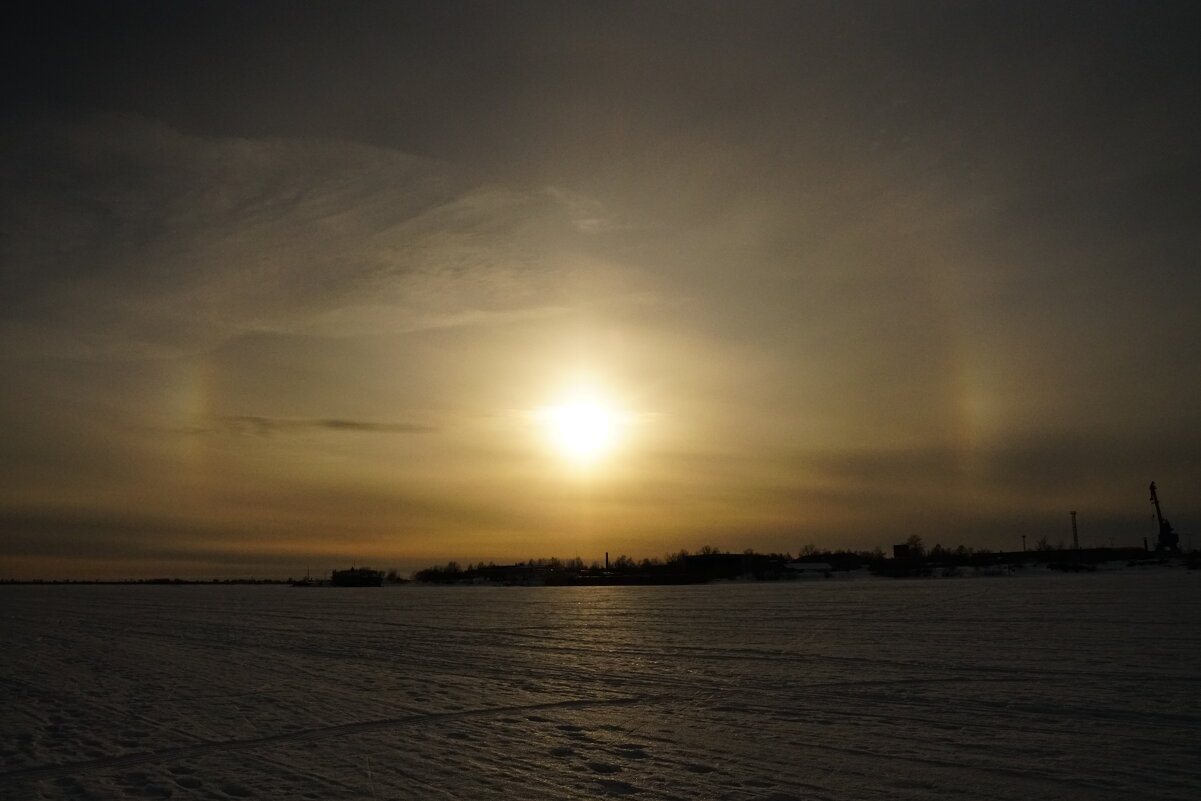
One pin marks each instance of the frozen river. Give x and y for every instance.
(1038, 687)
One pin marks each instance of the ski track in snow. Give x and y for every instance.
(1048, 687)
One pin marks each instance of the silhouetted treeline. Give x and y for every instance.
(910, 559)
(682, 567)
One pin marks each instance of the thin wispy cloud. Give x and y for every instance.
(266, 426)
(205, 238)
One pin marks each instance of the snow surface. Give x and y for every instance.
(1064, 686)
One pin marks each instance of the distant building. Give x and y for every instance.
(811, 568)
(356, 577)
(710, 566)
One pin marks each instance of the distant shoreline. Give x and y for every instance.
(550, 575)
(158, 582)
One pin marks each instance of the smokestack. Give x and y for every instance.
(1075, 536)
(606, 560)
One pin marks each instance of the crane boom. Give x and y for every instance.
(1168, 539)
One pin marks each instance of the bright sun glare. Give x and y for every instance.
(581, 429)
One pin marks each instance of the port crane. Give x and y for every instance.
(1168, 539)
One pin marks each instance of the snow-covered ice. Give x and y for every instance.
(1055, 686)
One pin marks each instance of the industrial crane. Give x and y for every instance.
(1168, 539)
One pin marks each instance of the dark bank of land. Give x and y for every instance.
(910, 560)
(149, 581)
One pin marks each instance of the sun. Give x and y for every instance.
(582, 430)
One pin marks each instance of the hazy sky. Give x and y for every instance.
(285, 285)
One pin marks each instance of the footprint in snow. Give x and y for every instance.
(632, 750)
(614, 787)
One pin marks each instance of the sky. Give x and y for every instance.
(293, 286)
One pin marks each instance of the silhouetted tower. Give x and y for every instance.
(1168, 541)
(1075, 536)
